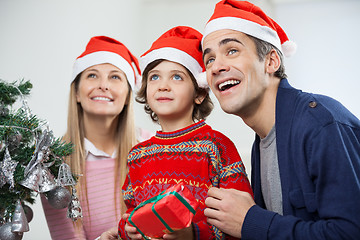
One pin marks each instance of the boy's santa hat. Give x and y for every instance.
(102, 49)
(182, 45)
(245, 17)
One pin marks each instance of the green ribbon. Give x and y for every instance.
(154, 200)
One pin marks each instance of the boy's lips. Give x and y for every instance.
(164, 99)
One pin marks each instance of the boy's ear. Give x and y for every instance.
(273, 61)
(200, 98)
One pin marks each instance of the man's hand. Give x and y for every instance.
(227, 209)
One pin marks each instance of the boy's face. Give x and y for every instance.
(171, 93)
(234, 72)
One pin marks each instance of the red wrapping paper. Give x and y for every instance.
(169, 211)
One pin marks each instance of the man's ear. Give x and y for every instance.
(273, 61)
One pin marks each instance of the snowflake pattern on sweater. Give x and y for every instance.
(196, 155)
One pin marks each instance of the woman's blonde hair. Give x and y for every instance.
(76, 133)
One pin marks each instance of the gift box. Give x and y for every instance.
(171, 210)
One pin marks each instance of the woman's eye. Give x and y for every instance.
(154, 77)
(92, 75)
(115, 77)
(177, 77)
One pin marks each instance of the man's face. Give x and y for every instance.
(234, 72)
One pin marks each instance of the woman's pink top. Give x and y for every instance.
(100, 187)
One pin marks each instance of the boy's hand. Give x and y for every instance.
(131, 231)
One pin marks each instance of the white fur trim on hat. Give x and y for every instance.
(201, 80)
(288, 48)
(104, 57)
(242, 25)
(173, 55)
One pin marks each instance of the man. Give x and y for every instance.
(306, 155)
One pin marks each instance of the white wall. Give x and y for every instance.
(40, 39)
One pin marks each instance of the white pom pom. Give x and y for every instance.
(288, 48)
(137, 85)
(201, 80)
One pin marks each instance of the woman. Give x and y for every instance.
(101, 126)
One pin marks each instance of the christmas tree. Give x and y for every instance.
(32, 161)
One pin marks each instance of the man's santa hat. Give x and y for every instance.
(245, 17)
(102, 49)
(182, 45)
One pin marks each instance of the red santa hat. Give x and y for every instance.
(247, 18)
(102, 49)
(182, 45)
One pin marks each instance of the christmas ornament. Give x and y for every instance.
(2, 177)
(59, 197)
(3, 110)
(29, 213)
(30, 158)
(14, 140)
(47, 181)
(8, 168)
(7, 234)
(74, 209)
(31, 180)
(65, 177)
(19, 221)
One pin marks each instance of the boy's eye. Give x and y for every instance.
(154, 77)
(177, 77)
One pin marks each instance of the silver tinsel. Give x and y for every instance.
(74, 210)
(2, 177)
(7, 234)
(59, 197)
(19, 221)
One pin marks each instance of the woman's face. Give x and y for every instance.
(102, 90)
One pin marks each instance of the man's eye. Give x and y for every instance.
(232, 51)
(177, 77)
(210, 60)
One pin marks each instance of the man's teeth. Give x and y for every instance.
(228, 84)
(102, 99)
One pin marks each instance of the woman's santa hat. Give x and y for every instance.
(182, 45)
(245, 17)
(102, 49)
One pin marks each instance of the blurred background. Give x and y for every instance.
(40, 39)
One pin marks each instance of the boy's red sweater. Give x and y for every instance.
(196, 155)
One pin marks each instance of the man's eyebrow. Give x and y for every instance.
(227, 40)
(206, 51)
(222, 42)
